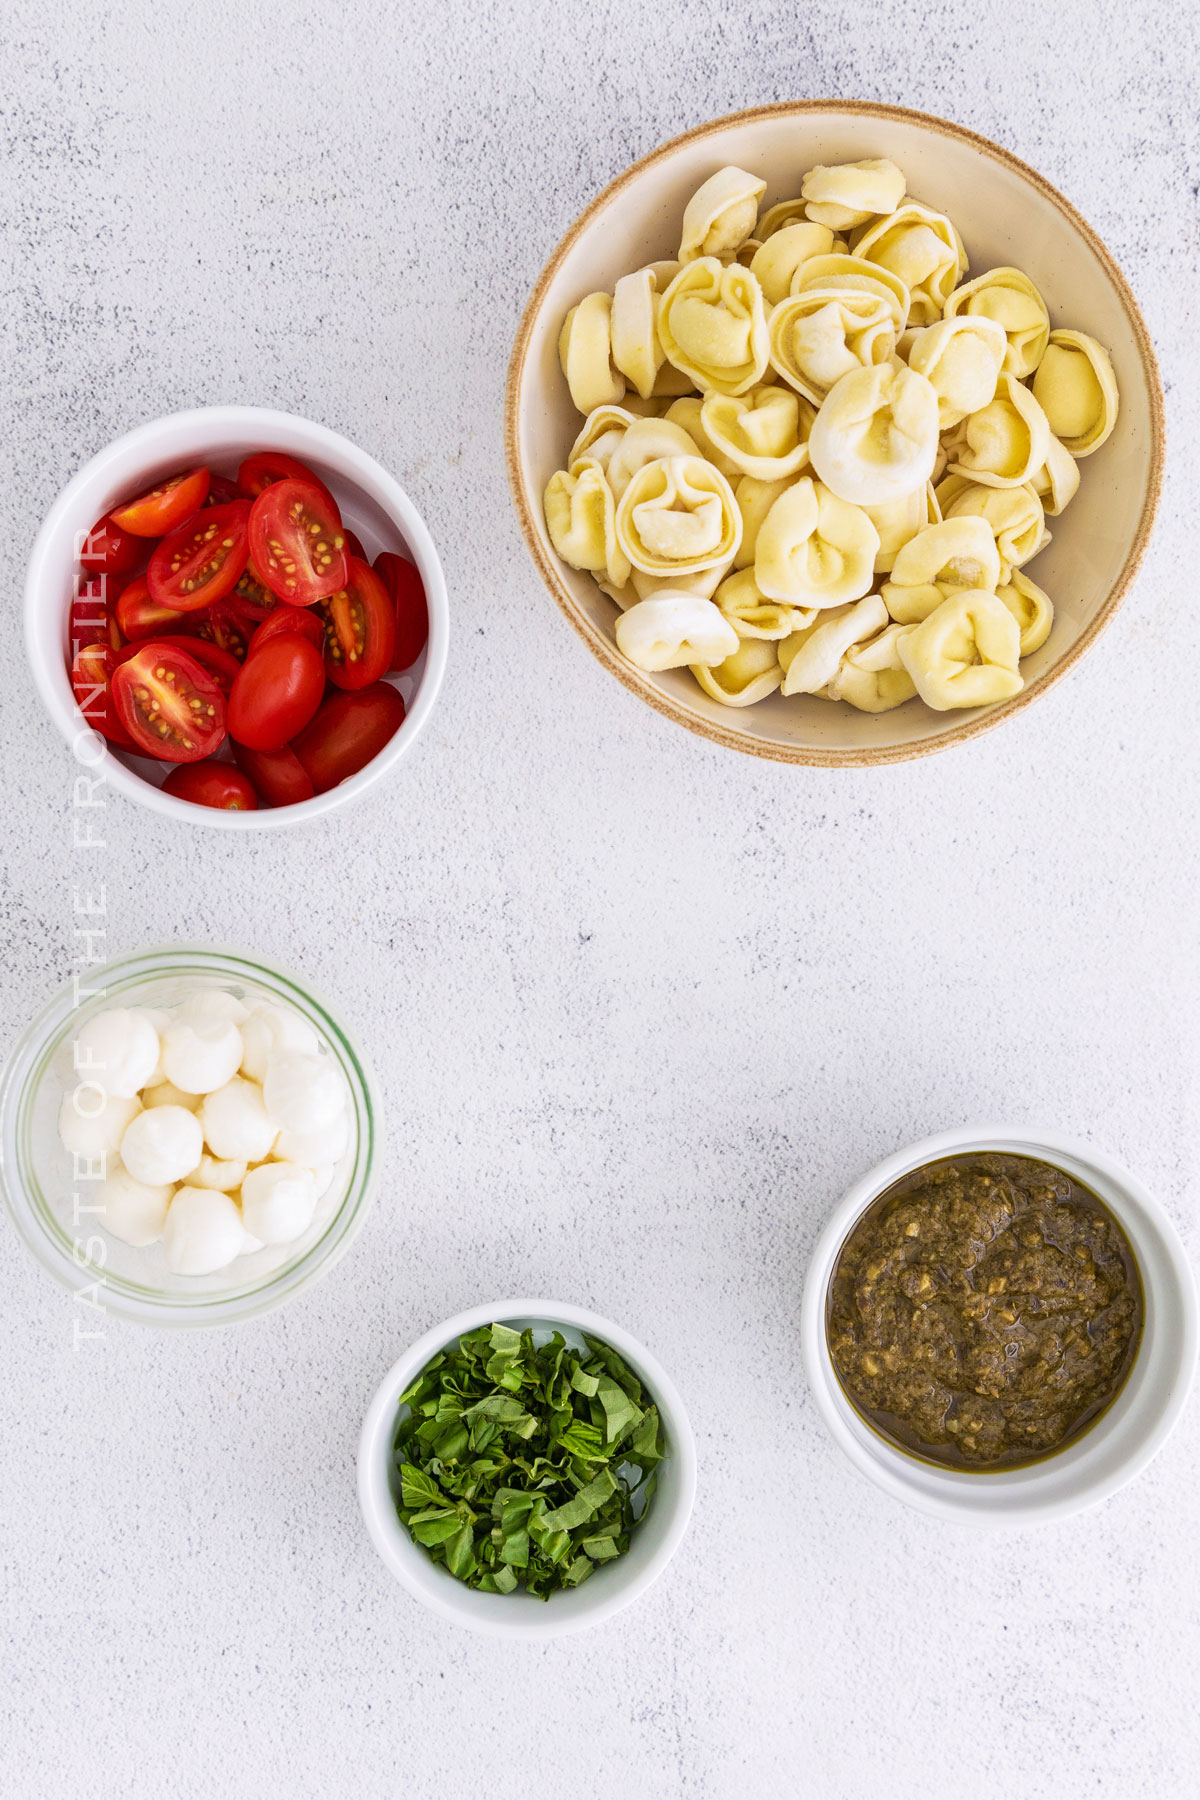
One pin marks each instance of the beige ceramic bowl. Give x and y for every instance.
(1006, 213)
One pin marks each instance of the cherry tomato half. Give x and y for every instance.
(160, 509)
(297, 542)
(289, 618)
(91, 679)
(348, 732)
(278, 775)
(141, 617)
(402, 580)
(221, 491)
(276, 693)
(216, 784)
(200, 561)
(360, 629)
(93, 621)
(107, 550)
(259, 472)
(169, 704)
(220, 664)
(223, 625)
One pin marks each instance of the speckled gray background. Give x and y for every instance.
(640, 1007)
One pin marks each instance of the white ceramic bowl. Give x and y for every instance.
(1123, 1439)
(373, 505)
(613, 1586)
(1007, 213)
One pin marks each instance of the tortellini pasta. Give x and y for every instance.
(1077, 390)
(965, 653)
(678, 515)
(720, 215)
(816, 457)
(875, 437)
(675, 631)
(814, 549)
(713, 326)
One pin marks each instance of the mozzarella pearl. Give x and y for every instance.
(165, 1093)
(212, 1173)
(201, 1054)
(310, 1148)
(203, 1232)
(163, 1144)
(278, 1201)
(302, 1092)
(92, 1123)
(131, 1210)
(214, 1003)
(271, 1028)
(236, 1123)
(119, 1049)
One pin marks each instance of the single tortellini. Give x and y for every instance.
(871, 676)
(923, 248)
(1057, 481)
(810, 658)
(676, 516)
(713, 326)
(1077, 389)
(1030, 606)
(778, 261)
(645, 441)
(585, 353)
(941, 560)
(603, 430)
(851, 193)
(965, 653)
(962, 358)
(581, 520)
(721, 214)
(636, 350)
(822, 333)
(744, 678)
(1015, 516)
(897, 521)
(875, 437)
(766, 434)
(755, 499)
(1006, 442)
(752, 615)
(814, 549)
(1009, 297)
(674, 631)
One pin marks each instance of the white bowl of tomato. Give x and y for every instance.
(238, 614)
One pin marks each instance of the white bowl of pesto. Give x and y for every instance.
(612, 1585)
(1105, 1455)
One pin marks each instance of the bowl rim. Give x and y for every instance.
(1005, 1499)
(408, 1563)
(54, 686)
(633, 678)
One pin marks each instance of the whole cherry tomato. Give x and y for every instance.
(107, 550)
(211, 783)
(402, 580)
(276, 693)
(279, 776)
(348, 732)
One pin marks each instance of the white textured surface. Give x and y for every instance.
(641, 1007)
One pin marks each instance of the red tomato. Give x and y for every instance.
(252, 597)
(216, 784)
(297, 542)
(289, 618)
(402, 580)
(220, 664)
(107, 550)
(221, 491)
(276, 693)
(140, 617)
(360, 629)
(200, 561)
(92, 620)
(91, 678)
(278, 775)
(349, 732)
(169, 704)
(354, 546)
(224, 626)
(259, 472)
(160, 509)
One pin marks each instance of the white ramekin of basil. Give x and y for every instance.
(527, 1469)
